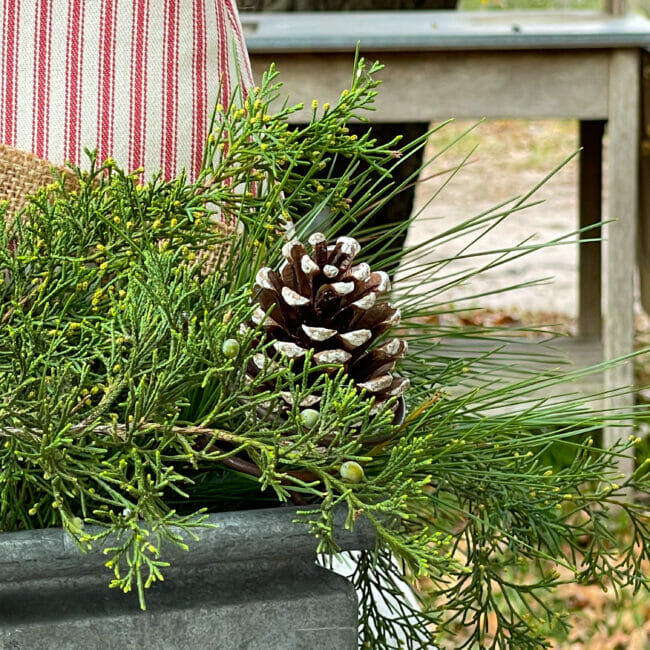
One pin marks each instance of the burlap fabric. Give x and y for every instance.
(22, 174)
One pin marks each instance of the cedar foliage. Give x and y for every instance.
(121, 412)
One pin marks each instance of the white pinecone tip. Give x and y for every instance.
(290, 350)
(349, 246)
(318, 333)
(308, 266)
(259, 360)
(287, 397)
(287, 249)
(259, 316)
(394, 347)
(392, 321)
(330, 271)
(377, 384)
(293, 298)
(384, 282)
(262, 278)
(317, 238)
(366, 302)
(332, 356)
(398, 387)
(310, 400)
(343, 288)
(379, 405)
(355, 338)
(360, 271)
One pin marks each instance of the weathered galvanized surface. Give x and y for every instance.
(442, 30)
(251, 583)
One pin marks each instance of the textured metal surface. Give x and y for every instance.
(255, 605)
(245, 535)
(442, 30)
(251, 583)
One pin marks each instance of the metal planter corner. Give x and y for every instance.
(249, 583)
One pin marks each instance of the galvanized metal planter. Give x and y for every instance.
(251, 583)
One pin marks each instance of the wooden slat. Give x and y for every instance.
(644, 202)
(439, 85)
(621, 234)
(566, 354)
(616, 7)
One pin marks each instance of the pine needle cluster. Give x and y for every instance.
(125, 407)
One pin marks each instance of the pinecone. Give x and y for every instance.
(322, 302)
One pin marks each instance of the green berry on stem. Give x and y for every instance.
(76, 525)
(309, 418)
(352, 472)
(230, 348)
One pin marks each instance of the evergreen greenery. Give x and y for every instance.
(125, 407)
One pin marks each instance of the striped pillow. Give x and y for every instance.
(137, 79)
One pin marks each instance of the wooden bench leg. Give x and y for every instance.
(590, 209)
(624, 99)
(644, 186)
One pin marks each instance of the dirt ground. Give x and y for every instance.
(511, 158)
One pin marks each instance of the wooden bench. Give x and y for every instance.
(502, 64)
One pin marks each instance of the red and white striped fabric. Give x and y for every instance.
(137, 79)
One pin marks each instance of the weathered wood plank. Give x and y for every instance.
(644, 199)
(566, 354)
(437, 85)
(616, 7)
(620, 234)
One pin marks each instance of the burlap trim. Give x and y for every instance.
(23, 174)
(212, 261)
